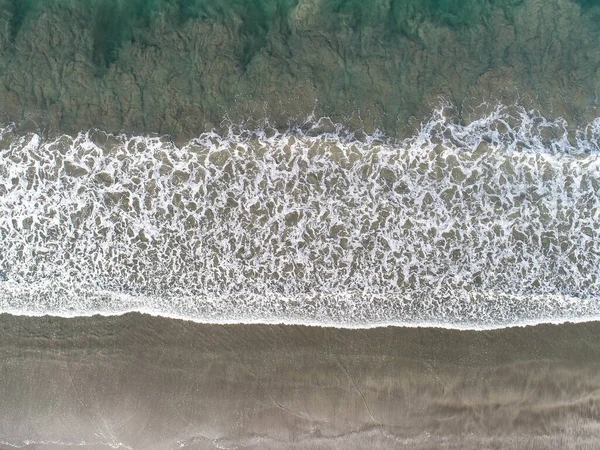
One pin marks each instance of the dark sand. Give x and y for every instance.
(155, 383)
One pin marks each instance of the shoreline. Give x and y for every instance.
(310, 324)
(311, 124)
(154, 383)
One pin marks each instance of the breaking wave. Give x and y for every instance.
(479, 225)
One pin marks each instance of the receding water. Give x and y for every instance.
(479, 225)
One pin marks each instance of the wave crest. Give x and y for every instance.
(486, 224)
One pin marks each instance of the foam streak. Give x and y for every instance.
(480, 225)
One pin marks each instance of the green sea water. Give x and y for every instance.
(182, 66)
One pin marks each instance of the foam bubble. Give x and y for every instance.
(486, 224)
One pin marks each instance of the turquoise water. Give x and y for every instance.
(115, 22)
(181, 67)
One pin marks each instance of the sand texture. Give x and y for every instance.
(155, 383)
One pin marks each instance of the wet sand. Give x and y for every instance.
(156, 383)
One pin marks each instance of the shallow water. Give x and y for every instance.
(181, 67)
(481, 225)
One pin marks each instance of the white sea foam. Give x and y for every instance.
(483, 225)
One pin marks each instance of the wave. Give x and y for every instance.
(479, 225)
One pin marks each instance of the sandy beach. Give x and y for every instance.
(143, 382)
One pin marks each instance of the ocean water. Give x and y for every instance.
(477, 225)
(179, 67)
(330, 162)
